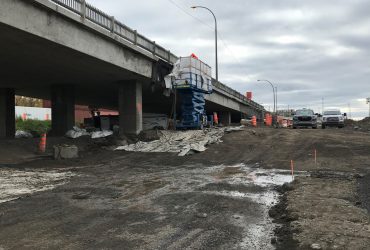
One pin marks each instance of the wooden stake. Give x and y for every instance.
(292, 168)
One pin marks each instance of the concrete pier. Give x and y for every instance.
(62, 109)
(7, 112)
(130, 107)
(225, 118)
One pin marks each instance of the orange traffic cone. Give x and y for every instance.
(267, 120)
(270, 120)
(215, 118)
(254, 121)
(42, 144)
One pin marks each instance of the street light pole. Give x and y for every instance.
(216, 49)
(273, 92)
(276, 99)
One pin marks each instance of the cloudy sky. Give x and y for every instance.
(313, 50)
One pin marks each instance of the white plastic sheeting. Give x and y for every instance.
(23, 134)
(190, 70)
(181, 142)
(101, 134)
(78, 132)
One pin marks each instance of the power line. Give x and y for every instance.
(204, 23)
(219, 35)
(183, 10)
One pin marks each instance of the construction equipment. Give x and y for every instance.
(191, 82)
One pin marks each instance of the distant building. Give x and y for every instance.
(44, 112)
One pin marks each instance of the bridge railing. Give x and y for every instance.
(236, 94)
(89, 12)
(108, 22)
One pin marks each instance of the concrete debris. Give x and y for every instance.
(181, 142)
(315, 246)
(202, 215)
(246, 122)
(65, 152)
(237, 217)
(22, 134)
(152, 121)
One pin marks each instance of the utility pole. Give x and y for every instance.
(276, 100)
(349, 111)
(368, 102)
(273, 92)
(322, 105)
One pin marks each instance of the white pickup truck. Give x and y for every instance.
(332, 117)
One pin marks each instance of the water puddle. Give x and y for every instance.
(257, 235)
(15, 183)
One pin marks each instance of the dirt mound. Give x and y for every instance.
(362, 124)
(364, 192)
(284, 232)
(321, 212)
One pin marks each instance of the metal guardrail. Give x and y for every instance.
(89, 12)
(236, 94)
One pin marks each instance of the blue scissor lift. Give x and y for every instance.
(191, 91)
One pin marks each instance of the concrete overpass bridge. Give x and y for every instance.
(72, 53)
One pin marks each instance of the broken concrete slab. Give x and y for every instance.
(65, 152)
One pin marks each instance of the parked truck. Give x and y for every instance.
(332, 118)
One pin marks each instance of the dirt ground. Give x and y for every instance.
(229, 197)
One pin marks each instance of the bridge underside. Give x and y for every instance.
(75, 66)
(35, 67)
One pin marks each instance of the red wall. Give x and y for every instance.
(82, 111)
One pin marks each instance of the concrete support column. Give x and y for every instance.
(62, 109)
(7, 112)
(130, 107)
(225, 118)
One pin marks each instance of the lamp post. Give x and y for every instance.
(202, 7)
(273, 91)
(276, 100)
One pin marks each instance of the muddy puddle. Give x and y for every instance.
(17, 183)
(259, 186)
(241, 194)
(249, 192)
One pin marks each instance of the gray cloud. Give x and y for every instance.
(310, 49)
